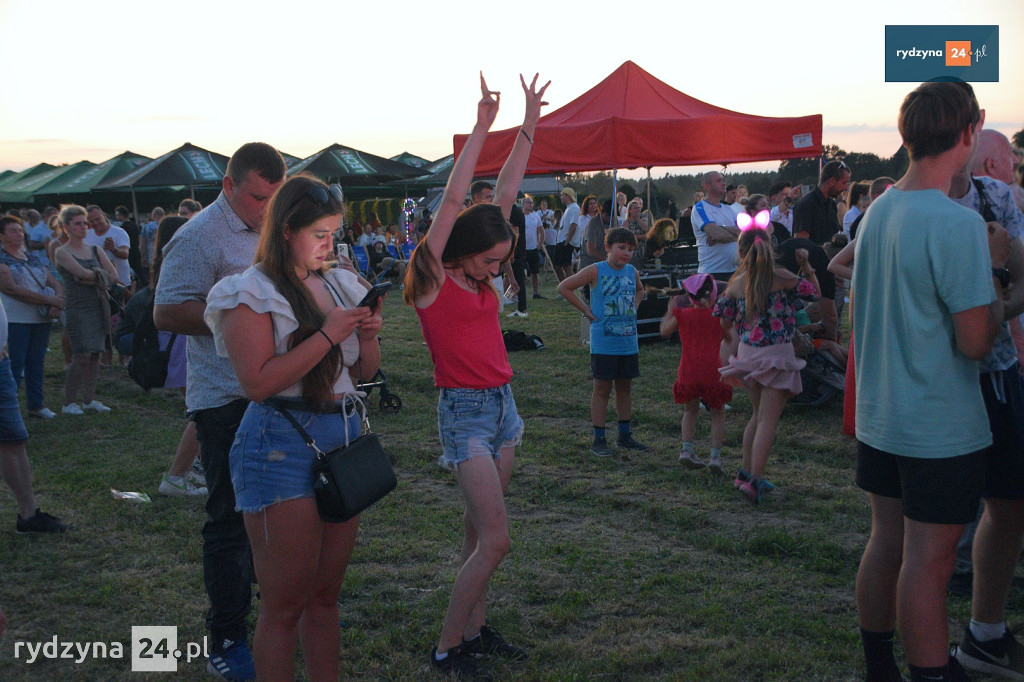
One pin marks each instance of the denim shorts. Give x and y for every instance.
(475, 422)
(270, 462)
(12, 427)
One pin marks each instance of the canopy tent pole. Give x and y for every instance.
(135, 208)
(650, 207)
(192, 192)
(615, 193)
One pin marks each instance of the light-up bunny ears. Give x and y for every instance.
(760, 221)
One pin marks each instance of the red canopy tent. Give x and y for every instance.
(631, 120)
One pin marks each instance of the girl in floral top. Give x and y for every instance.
(759, 302)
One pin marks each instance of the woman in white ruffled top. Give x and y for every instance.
(298, 341)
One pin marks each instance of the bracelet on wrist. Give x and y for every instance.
(528, 138)
(326, 337)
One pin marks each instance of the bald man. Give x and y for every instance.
(987, 646)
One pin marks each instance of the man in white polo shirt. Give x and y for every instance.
(714, 226)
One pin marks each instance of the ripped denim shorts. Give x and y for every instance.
(475, 422)
(270, 462)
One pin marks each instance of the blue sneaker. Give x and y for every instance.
(233, 663)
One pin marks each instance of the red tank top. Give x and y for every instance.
(464, 338)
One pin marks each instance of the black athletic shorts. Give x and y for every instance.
(612, 367)
(1004, 466)
(533, 261)
(562, 257)
(934, 490)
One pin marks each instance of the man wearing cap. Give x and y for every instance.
(714, 226)
(815, 216)
(566, 232)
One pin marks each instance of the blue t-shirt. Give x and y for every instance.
(612, 302)
(920, 259)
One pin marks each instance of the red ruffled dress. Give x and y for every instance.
(700, 336)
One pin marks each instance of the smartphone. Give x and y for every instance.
(378, 290)
(344, 250)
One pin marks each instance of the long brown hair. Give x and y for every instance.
(477, 229)
(291, 209)
(757, 265)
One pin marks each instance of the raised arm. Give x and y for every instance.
(512, 172)
(461, 177)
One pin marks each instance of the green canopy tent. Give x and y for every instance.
(6, 174)
(23, 190)
(360, 173)
(435, 175)
(81, 180)
(289, 159)
(25, 174)
(188, 165)
(410, 159)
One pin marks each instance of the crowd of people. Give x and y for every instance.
(934, 390)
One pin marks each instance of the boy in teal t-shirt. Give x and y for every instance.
(615, 294)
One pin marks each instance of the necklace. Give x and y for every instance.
(309, 273)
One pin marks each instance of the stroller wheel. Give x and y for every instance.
(390, 403)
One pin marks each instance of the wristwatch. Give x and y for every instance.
(1003, 275)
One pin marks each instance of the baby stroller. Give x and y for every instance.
(390, 403)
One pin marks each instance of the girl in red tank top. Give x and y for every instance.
(448, 281)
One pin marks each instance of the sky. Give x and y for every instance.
(91, 80)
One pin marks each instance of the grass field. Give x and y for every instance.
(621, 568)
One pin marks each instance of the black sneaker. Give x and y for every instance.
(631, 443)
(40, 522)
(458, 664)
(600, 448)
(490, 642)
(1003, 656)
(539, 297)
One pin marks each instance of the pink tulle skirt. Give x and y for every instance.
(770, 366)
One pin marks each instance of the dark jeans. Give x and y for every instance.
(227, 561)
(27, 345)
(519, 271)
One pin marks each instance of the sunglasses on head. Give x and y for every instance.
(321, 196)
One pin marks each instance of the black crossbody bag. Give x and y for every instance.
(349, 478)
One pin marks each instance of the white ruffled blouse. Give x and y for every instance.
(256, 290)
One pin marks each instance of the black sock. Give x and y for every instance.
(878, 656)
(624, 430)
(919, 674)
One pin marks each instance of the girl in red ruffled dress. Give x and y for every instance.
(700, 336)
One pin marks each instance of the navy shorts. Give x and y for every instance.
(270, 462)
(12, 426)
(612, 367)
(1004, 466)
(943, 490)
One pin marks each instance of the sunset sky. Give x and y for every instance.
(91, 80)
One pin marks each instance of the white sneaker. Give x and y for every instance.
(96, 406)
(517, 313)
(715, 465)
(72, 409)
(179, 486)
(42, 413)
(197, 479)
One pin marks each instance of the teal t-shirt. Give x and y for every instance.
(920, 259)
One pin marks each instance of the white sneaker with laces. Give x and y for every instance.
(72, 409)
(42, 413)
(179, 486)
(96, 406)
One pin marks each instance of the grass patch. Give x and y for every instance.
(628, 567)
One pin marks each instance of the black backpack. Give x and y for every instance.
(515, 340)
(148, 364)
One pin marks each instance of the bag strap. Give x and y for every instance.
(320, 454)
(985, 206)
